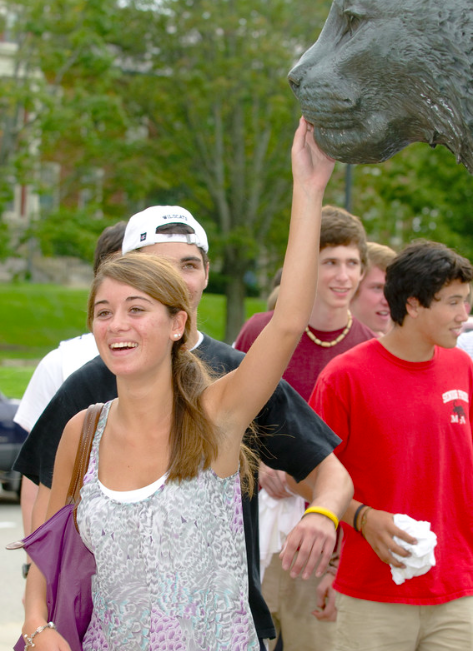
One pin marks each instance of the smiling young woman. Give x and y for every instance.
(161, 501)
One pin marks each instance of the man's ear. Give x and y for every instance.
(412, 307)
(207, 269)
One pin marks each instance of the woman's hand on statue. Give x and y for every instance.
(310, 166)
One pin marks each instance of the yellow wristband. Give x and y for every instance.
(321, 511)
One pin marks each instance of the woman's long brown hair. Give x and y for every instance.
(194, 439)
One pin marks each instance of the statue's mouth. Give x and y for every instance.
(329, 120)
(331, 124)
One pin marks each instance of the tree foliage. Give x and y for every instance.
(66, 105)
(186, 101)
(223, 116)
(419, 193)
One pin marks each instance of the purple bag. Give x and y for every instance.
(56, 548)
(58, 551)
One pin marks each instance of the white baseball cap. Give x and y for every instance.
(141, 228)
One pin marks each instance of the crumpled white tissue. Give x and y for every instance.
(276, 519)
(422, 556)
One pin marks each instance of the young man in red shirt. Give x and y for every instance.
(402, 405)
(332, 329)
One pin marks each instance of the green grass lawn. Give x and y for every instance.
(35, 318)
(14, 380)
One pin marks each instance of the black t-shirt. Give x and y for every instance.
(291, 437)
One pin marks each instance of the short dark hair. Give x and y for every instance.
(341, 228)
(109, 242)
(420, 271)
(182, 229)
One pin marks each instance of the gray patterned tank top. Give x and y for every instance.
(171, 568)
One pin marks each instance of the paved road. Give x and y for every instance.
(11, 581)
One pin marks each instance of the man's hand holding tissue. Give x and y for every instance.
(379, 530)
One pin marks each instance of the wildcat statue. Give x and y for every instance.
(387, 73)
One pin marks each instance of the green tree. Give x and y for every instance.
(65, 105)
(186, 101)
(205, 80)
(20, 88)
(223, 114)
(420, 192)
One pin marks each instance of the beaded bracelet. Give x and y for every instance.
(29, 638)
(322, 511)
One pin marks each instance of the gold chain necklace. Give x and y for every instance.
(329, 344)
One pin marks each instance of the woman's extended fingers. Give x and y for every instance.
(309, 163)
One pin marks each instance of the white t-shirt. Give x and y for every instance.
(50, 373)
(465, 342)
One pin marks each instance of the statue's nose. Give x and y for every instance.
(295, 78)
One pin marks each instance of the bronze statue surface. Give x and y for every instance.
(387, 73)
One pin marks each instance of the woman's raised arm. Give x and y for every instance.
(234, 400)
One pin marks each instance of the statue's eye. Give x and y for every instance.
(353, 21)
